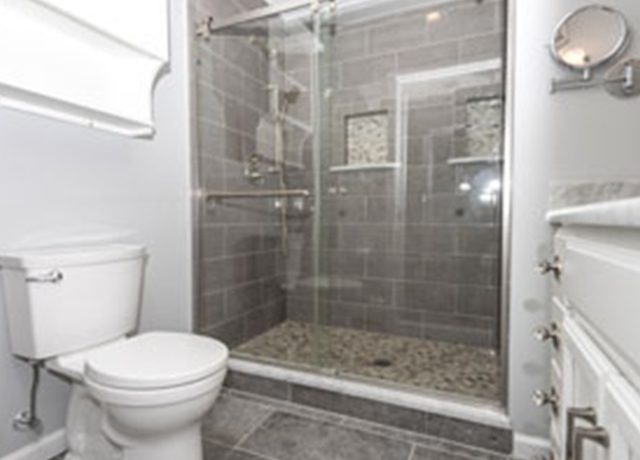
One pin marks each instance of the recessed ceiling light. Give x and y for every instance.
(434, 16)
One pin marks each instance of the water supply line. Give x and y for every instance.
(28, 420)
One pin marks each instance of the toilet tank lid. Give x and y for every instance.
(66, 256)
(155, 360)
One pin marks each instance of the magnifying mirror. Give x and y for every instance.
(589, 37)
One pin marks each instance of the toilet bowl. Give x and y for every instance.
(134, 397)
(146, 395)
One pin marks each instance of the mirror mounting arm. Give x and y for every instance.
(621, 81)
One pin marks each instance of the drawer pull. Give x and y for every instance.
(597, 435)
(549, 398)
(554, 266)
(588, 414)
(544, 334)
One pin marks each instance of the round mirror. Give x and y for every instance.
(589, 37)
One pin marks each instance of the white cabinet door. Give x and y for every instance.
(586, 372)
(621, 419)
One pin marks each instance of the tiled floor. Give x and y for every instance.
(244, 426)
(441, 366)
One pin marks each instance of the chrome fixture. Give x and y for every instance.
(549, 398)
(597, 435)
(53, 277)
(252, 170)
(554, 266)
(28, 420)
(587, 414)
(544, 334)
(586, 40)
(208, 26)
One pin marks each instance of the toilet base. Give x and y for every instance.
(90, 438)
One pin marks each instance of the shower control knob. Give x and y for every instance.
(545, 267)
(549, 398)
(545, 334)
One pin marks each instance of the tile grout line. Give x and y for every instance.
(412, 451)
(258, 425)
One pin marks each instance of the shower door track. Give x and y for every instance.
(259, 13)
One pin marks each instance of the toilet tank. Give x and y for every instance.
(66, 299)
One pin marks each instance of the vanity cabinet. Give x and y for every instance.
(595, 359)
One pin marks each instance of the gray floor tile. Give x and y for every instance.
(233, 418)
(290, 437)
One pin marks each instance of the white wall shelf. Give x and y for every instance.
(93, 63)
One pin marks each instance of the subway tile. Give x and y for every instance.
(368, 70)
(210, 310)
(478, 300)
(428, 57)
(496, 439)
(478, 240)
(255, 384)
(426, 296)
(489, 46)
(408, 31)
(466, 20)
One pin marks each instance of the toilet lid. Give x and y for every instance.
(156, 360)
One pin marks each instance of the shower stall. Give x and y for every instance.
(351, 169)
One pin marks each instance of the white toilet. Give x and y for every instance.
(134, 397)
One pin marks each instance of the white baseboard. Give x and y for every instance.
(529, 447)
(45, 448)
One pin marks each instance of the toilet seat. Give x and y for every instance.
(155, 360)
(155, 397)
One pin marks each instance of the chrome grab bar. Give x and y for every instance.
(53, 277)
(220, 195)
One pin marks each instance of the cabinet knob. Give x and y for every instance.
(550, 333)
(554, 266)
(549, 398)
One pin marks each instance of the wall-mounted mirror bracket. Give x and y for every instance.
(623, 80)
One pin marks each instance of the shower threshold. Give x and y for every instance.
(448, 370)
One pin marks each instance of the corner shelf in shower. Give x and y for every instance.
(364, 167)
(474, 160)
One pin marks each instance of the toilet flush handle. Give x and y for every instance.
(54, 277)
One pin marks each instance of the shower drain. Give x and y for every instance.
(381, 362)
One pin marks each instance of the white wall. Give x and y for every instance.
(60, 182)
(581, 135)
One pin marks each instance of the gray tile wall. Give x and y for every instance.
(425, 263)
(240, 262)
